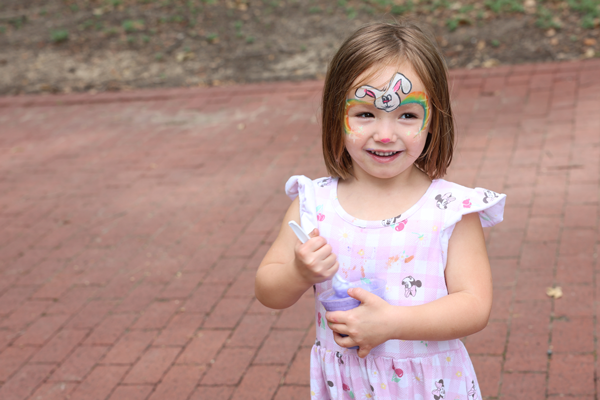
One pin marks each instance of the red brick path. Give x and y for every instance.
(131, 226)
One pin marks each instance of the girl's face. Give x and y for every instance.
(386, 121)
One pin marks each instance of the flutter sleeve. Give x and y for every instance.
(300, 185)
(459, 200)
(488, 204)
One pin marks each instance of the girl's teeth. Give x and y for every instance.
(379, 153)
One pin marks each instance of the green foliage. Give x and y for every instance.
(159, 56)
(18, 22)
(132, 25)
(587, 22)
(111, 31)
(87, 24)
(212, 36)
(466, 9)
(452, 24)
(43, 12)
(145, 38)
(59, 36)
(545, 19)
(495, 42)
(440, 3)
(114, 3)
(250, 39)
(314, 10)
(74, 7)
(2, 29)
(500, 6)
(588, 7)
(456, 21)
(351, 13)
(401, 9)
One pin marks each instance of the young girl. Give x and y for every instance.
(388, 135)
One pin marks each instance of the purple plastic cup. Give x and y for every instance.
(331, 302)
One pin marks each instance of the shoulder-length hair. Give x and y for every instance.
(387, 44)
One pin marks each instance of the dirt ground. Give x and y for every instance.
(62, 46)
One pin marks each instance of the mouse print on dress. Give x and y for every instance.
(443, 201)
(410, 286)
(439, 392)
(472, 393)
(489, 196)
(391, 221)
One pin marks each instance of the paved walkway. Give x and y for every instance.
(131, 226)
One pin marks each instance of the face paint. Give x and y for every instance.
(386, 100)
(350, 103)
(421, 99)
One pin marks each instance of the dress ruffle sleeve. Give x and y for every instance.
(300, 185)
(488, 204)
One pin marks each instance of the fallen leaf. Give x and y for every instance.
(589, 41)
(492, 62)
(589, 53)
(555, 292)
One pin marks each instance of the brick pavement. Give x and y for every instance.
(131, 226)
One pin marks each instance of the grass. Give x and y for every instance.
(212, 37)
(59, 36)
(545, 19)
(401, 9)
(502, 6)
(133, 25)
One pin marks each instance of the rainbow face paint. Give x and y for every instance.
(350, 103)
(421, 99)
(388, 99)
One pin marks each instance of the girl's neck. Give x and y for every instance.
(371, 198)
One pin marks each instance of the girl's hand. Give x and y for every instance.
(314, 260)
(366, 326)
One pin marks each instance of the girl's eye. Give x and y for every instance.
(408, 115)
(365, 115)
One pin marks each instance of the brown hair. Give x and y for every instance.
(386, 43)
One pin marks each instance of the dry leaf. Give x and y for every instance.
(589, 41)
(555, 292)
(589, 53)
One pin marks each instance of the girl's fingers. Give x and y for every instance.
(344, 341)
(338, 328)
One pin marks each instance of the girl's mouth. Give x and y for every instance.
(383, 156)
(383, 153)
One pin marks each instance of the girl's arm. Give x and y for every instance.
(463, 312)
(289, 268)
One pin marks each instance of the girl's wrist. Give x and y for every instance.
(399, 317)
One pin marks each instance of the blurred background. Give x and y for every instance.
(63, 46)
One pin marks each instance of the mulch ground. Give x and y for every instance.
(63, 46)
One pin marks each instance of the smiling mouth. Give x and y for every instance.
(383, 153)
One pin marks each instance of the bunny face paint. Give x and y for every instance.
(385, 119)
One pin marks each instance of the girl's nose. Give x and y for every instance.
(385, 133)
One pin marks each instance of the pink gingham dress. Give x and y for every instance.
(409, 251)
